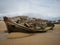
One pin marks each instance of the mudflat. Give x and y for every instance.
(48, 38)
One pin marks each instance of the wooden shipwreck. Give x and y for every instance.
(24, 24)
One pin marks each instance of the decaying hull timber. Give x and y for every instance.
(27, 26)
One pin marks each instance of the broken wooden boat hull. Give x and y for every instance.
(14, 27)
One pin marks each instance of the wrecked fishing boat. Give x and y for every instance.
(27, 25)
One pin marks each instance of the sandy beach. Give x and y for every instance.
(48, 38)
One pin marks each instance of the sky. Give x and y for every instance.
(34, 8)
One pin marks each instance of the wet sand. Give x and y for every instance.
(48, 38)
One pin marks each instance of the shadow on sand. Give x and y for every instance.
(24, 34)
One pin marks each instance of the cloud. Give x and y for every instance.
(46, 8)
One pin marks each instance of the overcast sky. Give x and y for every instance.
(42, 8)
